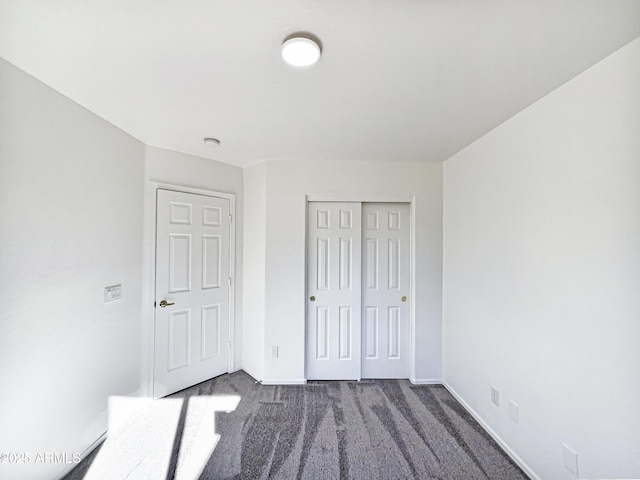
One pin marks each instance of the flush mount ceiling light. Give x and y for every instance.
(301, 49)
(213, 142)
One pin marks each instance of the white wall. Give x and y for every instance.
(254, 270)
(179, 169)
(287, 184)
(70, 224)
(542, 274)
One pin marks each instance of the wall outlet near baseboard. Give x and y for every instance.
(514, 411)
(570, 460)
(274, 352)
(495, 396)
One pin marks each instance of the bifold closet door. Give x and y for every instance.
(333, 350)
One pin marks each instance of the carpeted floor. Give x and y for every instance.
(373, 429)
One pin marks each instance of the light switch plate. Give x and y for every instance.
(112, 293)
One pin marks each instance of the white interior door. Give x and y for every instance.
(192, 290)
(385, 302)
(333, 291)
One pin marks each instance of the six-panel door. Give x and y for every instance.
(357, 290)
(385, 290)
(333, 291)
(192, 275)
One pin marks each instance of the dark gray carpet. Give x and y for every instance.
(374, 429)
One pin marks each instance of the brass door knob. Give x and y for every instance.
(312, 298)
(164, 303)
(404, 298)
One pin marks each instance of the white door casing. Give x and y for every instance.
(385, 290)
(333, 291)
(192, 276)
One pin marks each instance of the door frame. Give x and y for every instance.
(149, 276)
(410, 199)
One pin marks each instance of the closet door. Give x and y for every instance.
(385, 290)
(333, 350)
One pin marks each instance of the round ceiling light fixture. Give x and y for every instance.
(213, 142)
(301, 49)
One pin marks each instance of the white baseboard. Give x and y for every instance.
(284, 381)
(426, 381)
(530, 473)
(83, 455)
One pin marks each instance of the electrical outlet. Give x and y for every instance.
(514, 411)
(495, 396)
(274, 352)
(570, 460)
(112, 293)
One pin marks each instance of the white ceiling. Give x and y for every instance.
(398, 80)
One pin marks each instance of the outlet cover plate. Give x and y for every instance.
(514, 411)
(570, 460)
(495, 396)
